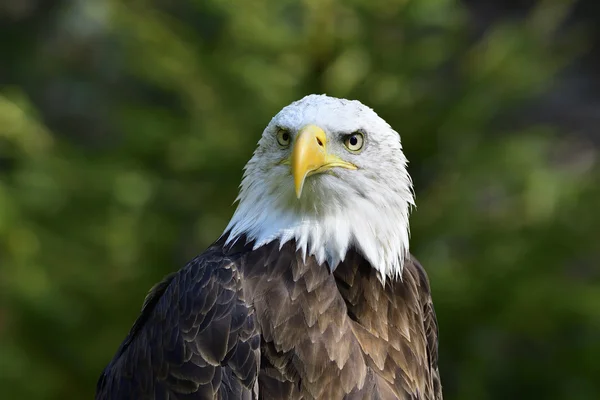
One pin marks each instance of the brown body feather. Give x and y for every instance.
(266, 324)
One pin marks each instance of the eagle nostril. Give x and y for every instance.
(319, 142)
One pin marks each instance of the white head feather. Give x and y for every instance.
(366, 209)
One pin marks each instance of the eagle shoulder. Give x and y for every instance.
(196, 336)
(431, 328)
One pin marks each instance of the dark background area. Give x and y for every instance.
(124, 130)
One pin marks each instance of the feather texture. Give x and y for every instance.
(244, 323)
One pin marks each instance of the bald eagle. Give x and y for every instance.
(310, 293)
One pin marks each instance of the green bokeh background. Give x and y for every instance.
(124, 130)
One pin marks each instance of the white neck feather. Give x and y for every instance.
(377, 227)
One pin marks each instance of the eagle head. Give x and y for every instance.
(329, 174)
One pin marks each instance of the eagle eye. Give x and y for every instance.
(354, 142)
(283, 137)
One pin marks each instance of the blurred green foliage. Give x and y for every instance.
(124, 130)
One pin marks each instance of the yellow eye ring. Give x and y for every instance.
(283, 137)
(354, 142)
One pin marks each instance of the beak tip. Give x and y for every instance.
(299, 184)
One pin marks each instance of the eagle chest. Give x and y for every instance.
(312, 346)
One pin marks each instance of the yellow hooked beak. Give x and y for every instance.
(309, 156)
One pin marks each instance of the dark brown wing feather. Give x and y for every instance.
(431, 331)
(196, 338)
